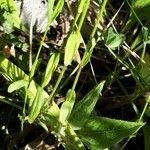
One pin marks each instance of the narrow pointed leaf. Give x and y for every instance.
(17, 85)
(71, 47)
(89, 51)
(67, 106)
(84, 108)
(58, 9)
(51, 66)
(112, 39)
(100, 132)
(81, 6)
(37, 105)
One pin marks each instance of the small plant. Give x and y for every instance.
(34, 91)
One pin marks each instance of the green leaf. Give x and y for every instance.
(10, 15)
(17, 85)
(84, 108)
(72, 141)
(112, 39)
(139, 13)
(146, 35)
(72, 45)
(51, 66)
(67, 106)
(81, 6)
(89, 51)
(36, 105)
(146, 130)
(141, 8)
(143, 72)
(50, 115)
(102, 132)
(57, 9)
(54, 11)
(50, 11)
(10, 71)
(13, 73)
(148, 109)
(34, 67)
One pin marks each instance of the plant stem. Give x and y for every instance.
(98, 20)
(132, 10)
(83, 16)
(57, 83)
(144, 109)
(76, 78)
(99, 17)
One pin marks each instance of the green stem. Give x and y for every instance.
(78, 31)
(75, 82)
(64, 68)
(98, 20)
(32, 72)
(134, 13)
(35, 63)
(144, 109)
(76, 78)
(75, 21)
(4, 100)
(83, 16)
(57, 83)
(139, 120)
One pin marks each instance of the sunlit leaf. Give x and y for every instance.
(67, 106)
(112, 39)
(51, 66)
(13, 73)
(81, 5)
(71, 47)
(89, 51)
(100, 132)
(58, 9)
(17, 85)
(84, 108)
(36, 105)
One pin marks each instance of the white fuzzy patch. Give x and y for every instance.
(39, 8)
